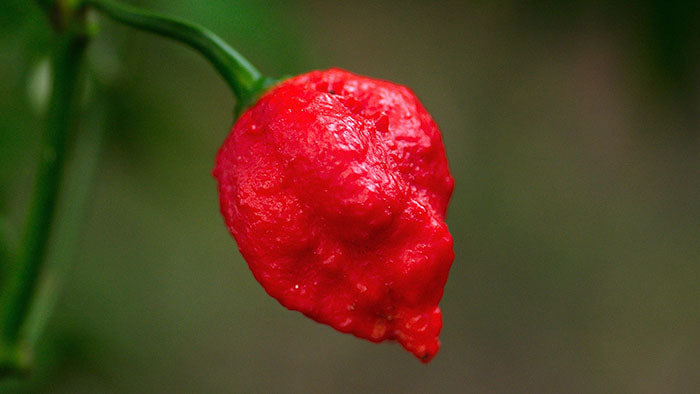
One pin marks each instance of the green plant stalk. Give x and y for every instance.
(20, 286)
(244, 79)
(74, 198)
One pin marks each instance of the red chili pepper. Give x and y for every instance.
(335, 187)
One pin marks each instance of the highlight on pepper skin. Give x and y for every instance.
(335, 187)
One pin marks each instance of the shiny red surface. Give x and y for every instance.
(335, 187)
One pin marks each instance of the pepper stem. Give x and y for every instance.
(243, 78)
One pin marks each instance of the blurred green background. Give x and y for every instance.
(572, 130)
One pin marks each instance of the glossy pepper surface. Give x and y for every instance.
(335, 187)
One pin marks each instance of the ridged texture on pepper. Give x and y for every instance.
(335, 187)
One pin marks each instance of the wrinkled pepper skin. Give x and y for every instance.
(335, 187)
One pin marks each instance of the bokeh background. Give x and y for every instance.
(572, 130)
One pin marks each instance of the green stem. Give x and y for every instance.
(74, 198)
(20, 286)
(244, 79)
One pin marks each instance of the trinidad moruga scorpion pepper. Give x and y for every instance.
(335, 187)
